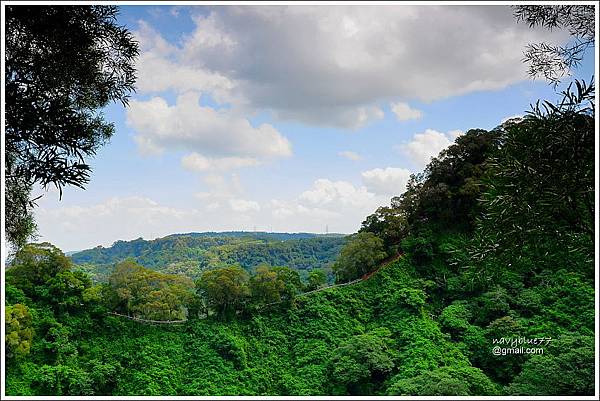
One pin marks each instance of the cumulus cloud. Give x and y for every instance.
(339, 193)
(188, 125)
(428, 144)
(159, 68)
(335, 65)
(158, 74)
(298, 217)
(404, 112)
(339, 204)
(197, 162)
(348, 154)
(388, 181)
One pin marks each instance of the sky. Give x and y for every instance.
(291, 118)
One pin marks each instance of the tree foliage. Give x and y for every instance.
(225, 289)
(444, 381)
(359, 256)
(388, 223)
(18, 330)
(447, 192)
(555, 62)
(541, 180)
(565, 370)
(316, 279)
(443, 197)
(149, 294)
(265, 286)
(360, 361)
(35, 265)
(63, 64)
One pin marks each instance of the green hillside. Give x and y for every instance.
(279, 351)
(192, 253)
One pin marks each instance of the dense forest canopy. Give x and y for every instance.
(191, 254)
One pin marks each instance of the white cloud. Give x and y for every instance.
(428, 144)
(335, 65)
(338, 193)
(299, 217)
(243, 205)
(388, 181)
(158, 74)
(220, 189)
(159, 69)
(348, 154)
(190, 126)
(221, 208)
(225, 194)
(197, 162)
(151, 41)
(404, 112)
(114, 218)
(338, 204)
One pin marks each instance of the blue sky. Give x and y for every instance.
(291, 118)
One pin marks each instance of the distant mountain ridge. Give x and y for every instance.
(192, 253)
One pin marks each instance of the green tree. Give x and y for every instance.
(446, 380)
(360, 362)
(389, 224)
(265, 286)
(540, 190)
(292, 284)
(34, 265)
(63, 65)
(13, 295)
(18, 330)
(316, 279)
(447, 192)
(361, 254)
(66, 289)
(149, 294)
(566, 369)
(125, 282)
(225, 289)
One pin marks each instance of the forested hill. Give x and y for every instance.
(192, 253)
